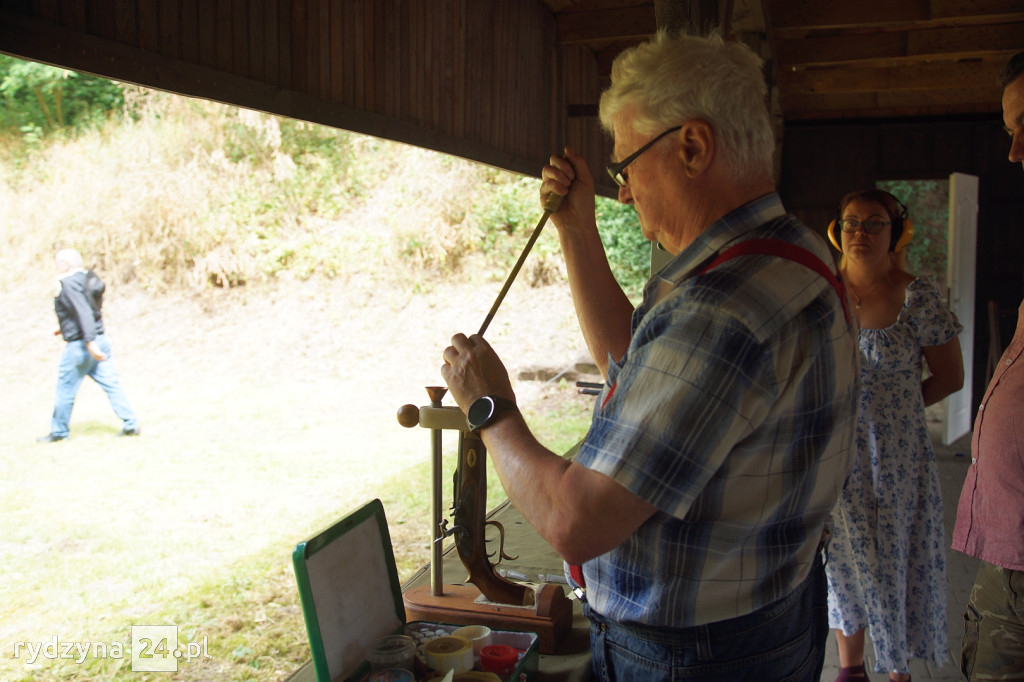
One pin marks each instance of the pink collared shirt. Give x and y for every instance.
(990, 516)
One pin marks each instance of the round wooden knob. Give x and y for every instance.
(409, 416)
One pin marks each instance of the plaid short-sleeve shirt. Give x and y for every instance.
(732, 412)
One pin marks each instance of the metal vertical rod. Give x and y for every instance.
(436, 393)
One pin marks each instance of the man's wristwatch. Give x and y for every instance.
(485, 410)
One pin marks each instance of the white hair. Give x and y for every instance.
(670, 80)
(69, 257)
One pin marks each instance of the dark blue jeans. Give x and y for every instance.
(782, 641)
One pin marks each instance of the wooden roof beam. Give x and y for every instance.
(787, 14)
(848, 44)
(611, 25)
(908, 76)
(890, 104)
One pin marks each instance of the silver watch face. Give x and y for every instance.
(480, 412)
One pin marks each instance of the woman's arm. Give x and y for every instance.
(947, 371)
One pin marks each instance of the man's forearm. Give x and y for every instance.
(580, 513)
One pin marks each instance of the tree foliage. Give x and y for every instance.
(927, 203)
(188, 193)
(39, 100)
(628, 251)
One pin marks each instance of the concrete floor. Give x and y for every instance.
(960, 570)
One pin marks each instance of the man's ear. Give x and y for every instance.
(696, 146)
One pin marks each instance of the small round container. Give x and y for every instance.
(449, 653)
(499, 659)
(478, 635)
(394, 651)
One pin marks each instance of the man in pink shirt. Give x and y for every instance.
(990, 516)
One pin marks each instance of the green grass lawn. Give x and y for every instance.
(250, 444)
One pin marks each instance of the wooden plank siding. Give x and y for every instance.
(190, 30)
(477, 78)
(583, 131)
(102, 20)
(206, 42)
(222, 31)
(125, 24)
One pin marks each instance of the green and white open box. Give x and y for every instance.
(351, 597)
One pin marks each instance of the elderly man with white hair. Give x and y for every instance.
(692, 517)
(78, 305)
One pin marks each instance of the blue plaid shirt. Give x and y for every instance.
(732, 412)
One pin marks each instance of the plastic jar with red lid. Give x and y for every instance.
(499, 659)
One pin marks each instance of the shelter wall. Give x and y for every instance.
(480, 79)
(822, 162)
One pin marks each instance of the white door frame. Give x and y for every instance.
(960, 274)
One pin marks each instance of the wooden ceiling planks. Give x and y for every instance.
(892, 59)
(919, 57)
(502, 81)
(470, 77)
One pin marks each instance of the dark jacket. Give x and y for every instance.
(79, 305)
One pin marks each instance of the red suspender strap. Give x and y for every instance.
(576, 571)
(774, 247)
(758, 247)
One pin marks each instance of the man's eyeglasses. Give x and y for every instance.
(851, 225)
(617, 170)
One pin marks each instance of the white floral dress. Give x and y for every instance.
(887, 557)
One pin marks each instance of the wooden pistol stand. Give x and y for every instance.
(489, 599)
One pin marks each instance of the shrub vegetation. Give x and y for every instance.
(176, 193)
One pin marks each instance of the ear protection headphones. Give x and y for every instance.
(902, 228)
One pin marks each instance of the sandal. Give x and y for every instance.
(855, 673)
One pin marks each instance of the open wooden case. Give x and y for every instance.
(351, 599)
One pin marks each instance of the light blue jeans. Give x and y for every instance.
(782, 641)
(75, 365)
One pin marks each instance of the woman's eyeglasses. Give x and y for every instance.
(851, 225)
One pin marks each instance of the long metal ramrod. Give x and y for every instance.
(410, 415)
(551, 205)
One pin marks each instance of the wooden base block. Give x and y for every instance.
(550, 618)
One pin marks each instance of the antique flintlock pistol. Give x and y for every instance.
(469, 506)
(469, 511)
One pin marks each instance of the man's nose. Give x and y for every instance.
(1017, 147)
(625, 196)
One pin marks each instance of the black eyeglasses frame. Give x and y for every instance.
(615, 169)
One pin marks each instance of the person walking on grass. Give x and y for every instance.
(78, 305)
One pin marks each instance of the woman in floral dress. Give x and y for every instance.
(886, 560)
